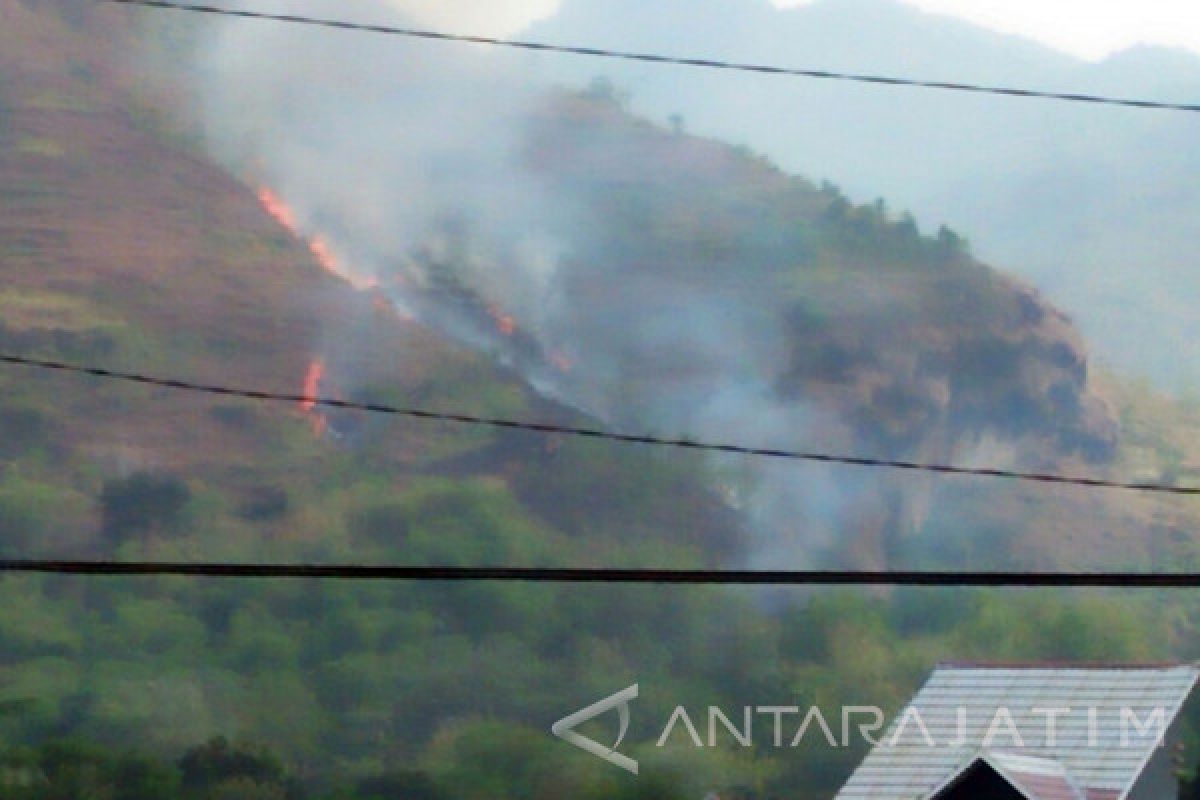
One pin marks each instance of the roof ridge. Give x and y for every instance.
(1067, 665)
(1013, 771)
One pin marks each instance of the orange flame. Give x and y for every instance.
(504, 322)
(278, 210)
(324, 256)
(561, 360)
(310, 392)
(323, 253)
(318, 245)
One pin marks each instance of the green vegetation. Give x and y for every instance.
(141, 504)
(449, 691)
(441, 690)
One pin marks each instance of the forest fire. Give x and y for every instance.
(561, 360)
(324, 256)
(310, 392)
(522, 348)
(318, 245)
(322, 251)
(278, 210)
(505, 323)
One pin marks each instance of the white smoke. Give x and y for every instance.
(413, 159)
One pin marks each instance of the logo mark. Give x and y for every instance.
(565, 728)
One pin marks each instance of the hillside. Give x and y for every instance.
(733, 299)
(1097, 206)
(125, 248)
(671, 283)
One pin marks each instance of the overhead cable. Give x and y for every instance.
(654, 58)
(590, 433)
(358, 572)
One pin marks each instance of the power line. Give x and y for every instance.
(1094, 580)
(652, 58)
(590, 433)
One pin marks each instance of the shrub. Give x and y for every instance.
(264, 503)
(382, 524)
(31, 511)
(400, 785)
(218, 762)
(142, 503)
(21, 430)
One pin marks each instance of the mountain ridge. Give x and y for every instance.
(1094, 205)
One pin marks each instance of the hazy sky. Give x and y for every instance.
(1088, 28)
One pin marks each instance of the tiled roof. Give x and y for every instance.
(1087, 746)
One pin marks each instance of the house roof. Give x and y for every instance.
(1035, 778)
(961, 704)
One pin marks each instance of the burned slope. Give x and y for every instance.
(122, 245)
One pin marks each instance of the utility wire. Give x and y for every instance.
(590, 433)
(1129, 580)
(663, 59)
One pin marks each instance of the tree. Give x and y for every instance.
(141, 503)
(951, 243)
(400, 785)
(219, 769)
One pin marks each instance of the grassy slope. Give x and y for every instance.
(121, 247)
